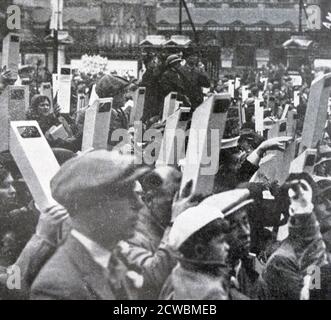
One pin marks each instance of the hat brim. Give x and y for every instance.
(174, 61)
(137, 174)
(238, 207)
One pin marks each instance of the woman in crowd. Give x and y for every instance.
(41, 111)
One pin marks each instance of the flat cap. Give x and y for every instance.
(84, 180)
(110, 85)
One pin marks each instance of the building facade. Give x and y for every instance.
(247, 32)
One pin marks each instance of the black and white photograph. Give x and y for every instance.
(165, 150)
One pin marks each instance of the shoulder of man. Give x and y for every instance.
(58, 279)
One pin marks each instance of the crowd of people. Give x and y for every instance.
(127, 231)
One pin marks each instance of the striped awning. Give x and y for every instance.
(229, 18)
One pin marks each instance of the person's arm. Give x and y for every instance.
(275, 144)
(154, 266)
(285, 272)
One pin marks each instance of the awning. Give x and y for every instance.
(229, 18)
(153, 40)
(298, 42)
(178, 40)
(161, 41)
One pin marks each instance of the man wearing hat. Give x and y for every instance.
(111, 86)
(303, 249)
(149, 249)
(98, 190)
(196, 78)
(151, 80)
(200, 235)
(173, 80)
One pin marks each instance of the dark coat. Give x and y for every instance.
(173, 81)
(72, 274)
(286, 268)
(194, 81)
(153, 98)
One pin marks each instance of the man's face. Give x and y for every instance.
(176, 65)
(237, 158)
(115, 218)
(193, 61)
(246, 146)
(239, 238)
(7, 191)
(160, 200)
(123, 214)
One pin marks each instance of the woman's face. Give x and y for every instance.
(44, 108)
(219, 249)
(7, 191)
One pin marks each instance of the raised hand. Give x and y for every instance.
(187, 199)
(50, 222)
(301, 195)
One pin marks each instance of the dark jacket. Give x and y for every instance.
(287, 267)
(246, 279)
(194, 81)
(153, 98)
(173, 81)
(72, 274)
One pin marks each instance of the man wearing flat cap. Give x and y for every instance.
(98, 190)
(149, 249)
(110, 86)
(173, 80)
